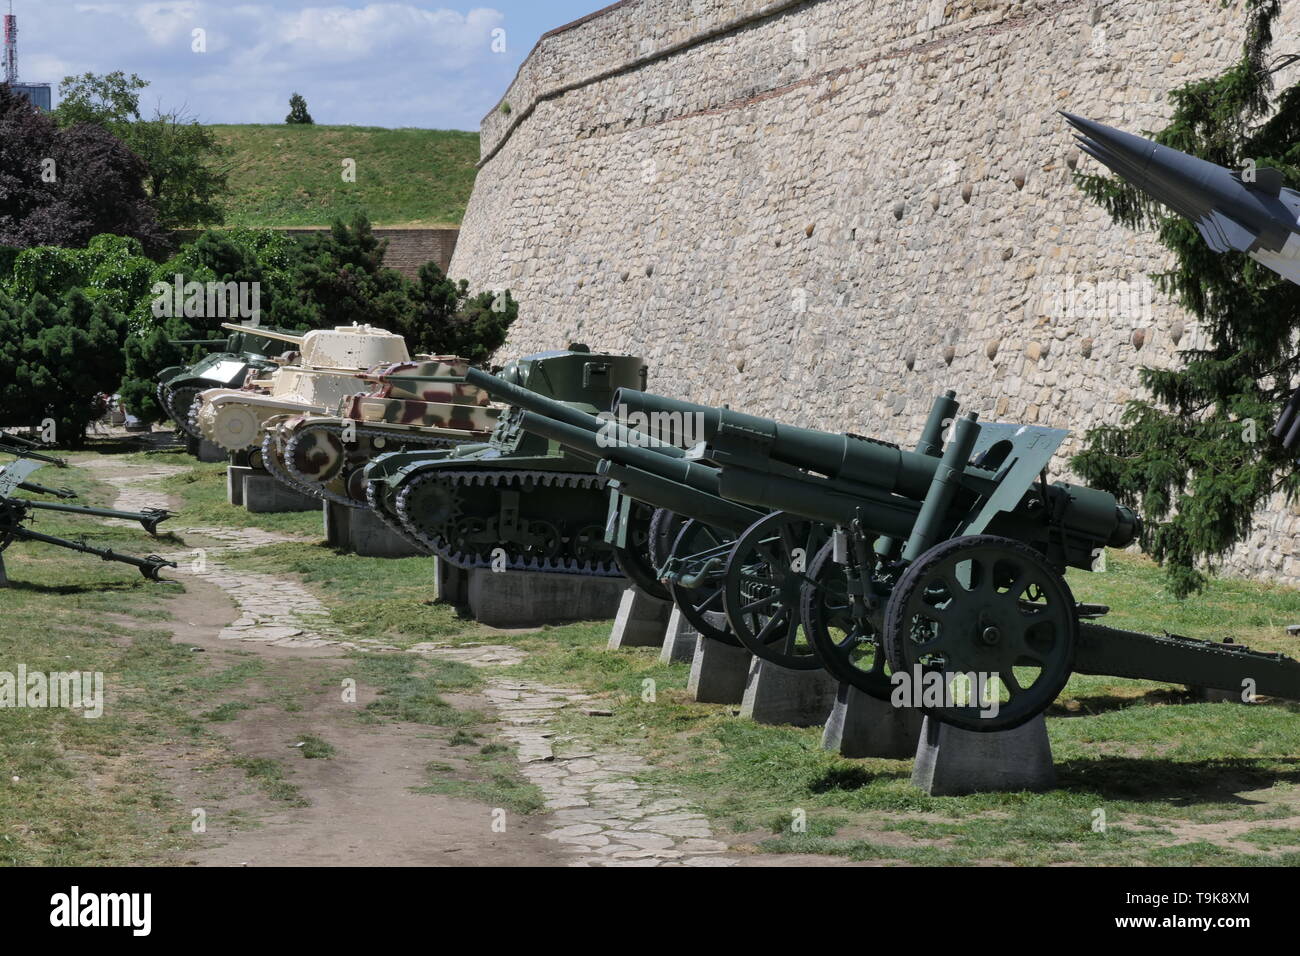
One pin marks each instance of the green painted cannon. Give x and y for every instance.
(517, 501)
(16, 514)
(693, 530)
(950, 561)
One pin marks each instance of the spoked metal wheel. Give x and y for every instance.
(766, 574)
(990, 616)
(697, 562)
(637, 560)
(665, 526)
(845, 633)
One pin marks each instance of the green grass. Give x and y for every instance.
(292, 175)
(314, 748)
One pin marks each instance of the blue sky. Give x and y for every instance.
(429, 65)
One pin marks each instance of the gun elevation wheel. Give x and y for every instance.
(765, 576)
(994, 620)
(696, 580)
(845, 635)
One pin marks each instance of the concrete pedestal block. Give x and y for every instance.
(640, 621)
(952, 762)
(263, 495)
(679, 639)
(718, 672)
(779, 695)
(235, 475)
(861, 726)
(205, 451)
(360, 531)
(528, 599)
(451, 583)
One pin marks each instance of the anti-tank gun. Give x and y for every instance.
(17, 513)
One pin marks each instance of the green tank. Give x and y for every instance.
(518, 501)
(241, 353)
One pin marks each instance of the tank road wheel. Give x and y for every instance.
(699, 556)
(765, 576)
(992, 609)
(636, 561)
(848, 641)
(546, 540)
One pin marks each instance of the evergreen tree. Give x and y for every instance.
(1197, 457)
(298, 115)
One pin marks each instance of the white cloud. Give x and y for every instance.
(374, 64)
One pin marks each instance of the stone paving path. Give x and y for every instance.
(601, 815)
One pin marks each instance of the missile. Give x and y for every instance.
(1247, 211)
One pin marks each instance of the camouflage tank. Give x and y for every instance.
(517, 501)
(325, 375)
(246, 355)
(422, 405)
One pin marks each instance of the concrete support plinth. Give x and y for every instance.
(640, 621)
(952, 762)
(205, 451)
(263, 495)
(861, 726)
(718, 672)
(360, 531)
(451, 583)
(679, 639)
(528, 599)
(235, 475)
(779, 695)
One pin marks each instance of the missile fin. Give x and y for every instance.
(1224, 233)
(1266, 180)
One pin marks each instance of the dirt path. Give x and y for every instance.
(363, 808)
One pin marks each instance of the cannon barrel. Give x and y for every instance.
(262, 332)
(660, 492)
(611, 444)
(520, 397)
(860, 460)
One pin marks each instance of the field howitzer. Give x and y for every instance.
(16, 513)
(950, 560)
(711, 554)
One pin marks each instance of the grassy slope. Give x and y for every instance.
(292, 175)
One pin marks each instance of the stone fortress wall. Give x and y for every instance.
(830, 211)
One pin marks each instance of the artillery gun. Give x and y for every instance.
(517, 501)
(410, 406)
(317, 383)
(243, 355)
(950, 560)
(16, 513)
(693, 530)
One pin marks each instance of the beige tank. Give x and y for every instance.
(322, 376)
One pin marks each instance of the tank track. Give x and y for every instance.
(414, 439)
(372, 499)
(185, 422)
(439, 546)
(272, 464)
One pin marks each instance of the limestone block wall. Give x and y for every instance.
(829, 211)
